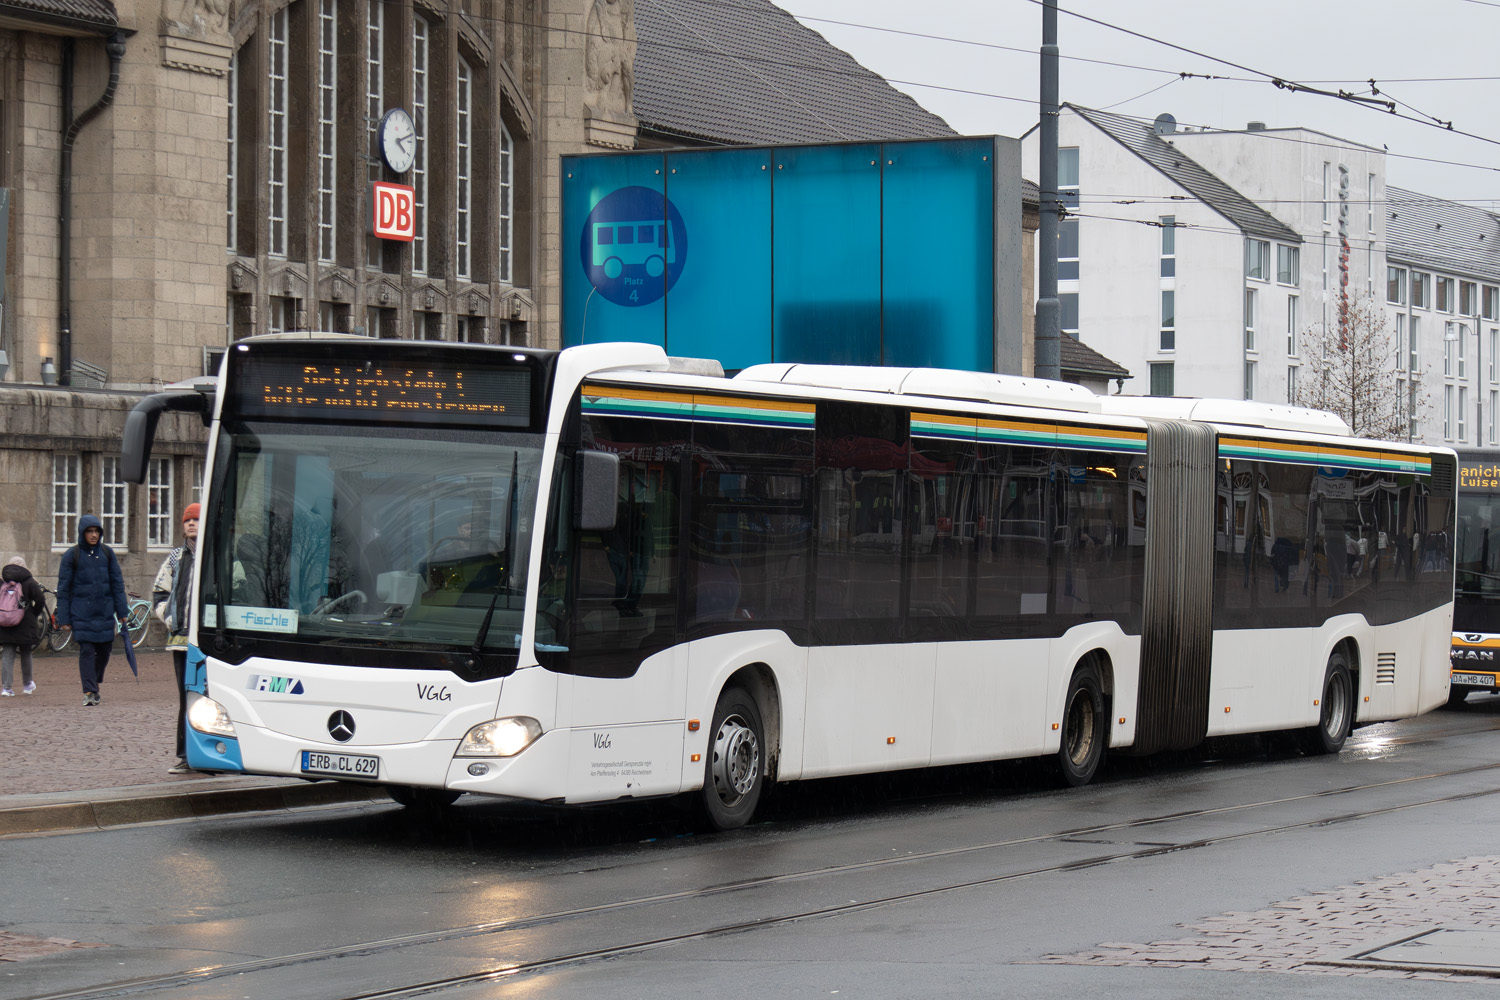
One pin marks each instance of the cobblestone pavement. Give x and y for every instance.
(1317, 933)
(49, 742)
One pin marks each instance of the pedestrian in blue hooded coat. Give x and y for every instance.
(91, 602)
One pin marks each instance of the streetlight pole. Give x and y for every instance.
(1047, 362)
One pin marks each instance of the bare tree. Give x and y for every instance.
(1352, 373)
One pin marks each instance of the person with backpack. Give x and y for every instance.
(91, 602)
(171, 599)
(20, 602)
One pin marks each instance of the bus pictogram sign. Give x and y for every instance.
(633, 246)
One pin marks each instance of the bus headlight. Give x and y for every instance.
(208, 716)
(500, 737)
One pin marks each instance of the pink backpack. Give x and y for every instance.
(12, 605)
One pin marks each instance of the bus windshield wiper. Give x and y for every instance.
(484, 629)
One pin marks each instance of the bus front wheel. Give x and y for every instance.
(734, 771)
(1336, 714)
(1085, 729)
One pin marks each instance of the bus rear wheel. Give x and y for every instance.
(734, 769)
(1336, 717)
(422, 798)
(1085, 729)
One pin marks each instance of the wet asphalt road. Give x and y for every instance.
(1244, 866)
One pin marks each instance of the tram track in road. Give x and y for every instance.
(187, 980)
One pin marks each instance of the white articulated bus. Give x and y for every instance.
(596, 574)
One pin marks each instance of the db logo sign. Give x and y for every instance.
(395, 215)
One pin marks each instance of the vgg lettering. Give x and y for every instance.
(431, 692)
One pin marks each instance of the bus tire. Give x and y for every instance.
(734, 767)
(1085, 728)
(1336, 715)
(422, 798)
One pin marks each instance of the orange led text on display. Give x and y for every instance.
(381, 388)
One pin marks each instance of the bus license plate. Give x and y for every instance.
(343, 764)
(1475, 680)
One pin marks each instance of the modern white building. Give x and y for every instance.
(1212, 262)
(1442, 291)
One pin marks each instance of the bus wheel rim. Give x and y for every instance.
(736, 759)
(1079, 736)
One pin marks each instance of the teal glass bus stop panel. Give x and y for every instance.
(938, 251)
(720, 306)
(825, 267)
(622, 248)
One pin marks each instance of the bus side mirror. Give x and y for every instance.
(597, 483)
(140, 428)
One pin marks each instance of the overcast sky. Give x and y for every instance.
(970, 72)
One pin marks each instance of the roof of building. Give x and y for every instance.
(1424, 231)
(85, 17)
(745, 72)
(1139, 137)
(1077, 357)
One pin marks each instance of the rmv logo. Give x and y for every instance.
(274, 685)
(633, 246)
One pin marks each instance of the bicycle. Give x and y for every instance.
(137, 618)
(54, 638)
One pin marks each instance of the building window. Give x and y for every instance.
(195, 476)
(1463, 353)
(1411, 342)
(1468, 298)
(1168, 320)
(1067, 312)
(1494, 372)
(1327, 205)
(327, 127)
(1249, 379)
(1463, 410)
(1419, 297)
(507, 207)
(1257, 253)
(1370, 208)
(1291, 326)
(1291, 383)
(1447, 413)
(1494, 405)
(231, 175)
(1395, 286)
(113, 505)
(1249, 319)
(462, 169)
(1288, 265)
(276, 107)
(1411, 410)
(283, 315)
(1161, 378)
(1449, 339)
(374, 108)
(1444, 295)
(1067, 226)
(65, 486)
(419, 56)
(159, 506)
(1169, 246)
(1401, 342)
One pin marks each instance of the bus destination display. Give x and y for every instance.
(368, 390)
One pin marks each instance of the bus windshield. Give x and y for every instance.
(370, 536)
(1478, 548)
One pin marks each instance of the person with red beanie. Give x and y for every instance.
(171, 597)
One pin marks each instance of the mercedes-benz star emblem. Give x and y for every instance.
(341, 726)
